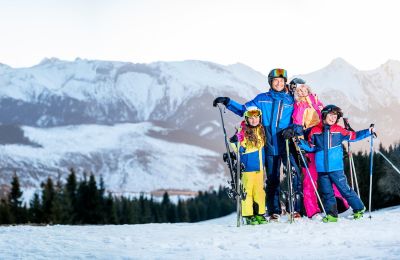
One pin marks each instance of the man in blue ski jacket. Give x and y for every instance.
(277, 108)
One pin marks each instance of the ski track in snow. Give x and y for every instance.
(215, 239)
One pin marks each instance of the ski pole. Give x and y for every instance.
(394, 167)
(351, 166)
(348, 127)
(238, 188)
(290, 185)
(309, 174)
(353, 172)
(370, 169)
(355, 176)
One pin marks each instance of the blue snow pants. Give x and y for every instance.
(325, 180)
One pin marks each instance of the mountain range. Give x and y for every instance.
(146, 127)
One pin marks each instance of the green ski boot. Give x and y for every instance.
(251, 220)
(358, 214)
(261, 219)
(329, 218)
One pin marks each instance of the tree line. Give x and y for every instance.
(85, 201)
(386, 181)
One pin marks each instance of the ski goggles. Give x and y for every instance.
(279, 73)
(252, 113)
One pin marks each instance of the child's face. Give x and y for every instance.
(254, 121)
(330, 119)
(302, 90)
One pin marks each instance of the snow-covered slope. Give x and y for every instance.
(127, 156)
(377, 238)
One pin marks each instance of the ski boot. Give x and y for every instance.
(329, 218)
(358, 214)
(251, 220)
(261, 219)
(274, 218)
(296, 215)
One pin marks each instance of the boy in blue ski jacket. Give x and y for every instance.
(276, 106)
(326, 140)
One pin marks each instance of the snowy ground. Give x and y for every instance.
(378, 238)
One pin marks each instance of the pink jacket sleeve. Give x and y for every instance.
(299, 108)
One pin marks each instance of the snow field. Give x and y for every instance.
(377, 238)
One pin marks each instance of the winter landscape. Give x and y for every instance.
(146, 127)
(111, 148)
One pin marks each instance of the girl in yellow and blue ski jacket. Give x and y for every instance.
(251, 138)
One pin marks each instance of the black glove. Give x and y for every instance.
(222, 100)
(234, 139)
(288, 133)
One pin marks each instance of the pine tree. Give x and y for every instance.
(48, 197)
(70, 199)
(58, 203)
(93, 207)
(102, 202)
(183, 213)
(5, 215)
(145, 210)
(81, 201)
(110, 211)
(36, 215)
(15, 200)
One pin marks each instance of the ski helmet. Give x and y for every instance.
(252, 111)
(294, 82)
(331, 109)
(277, 73)
(297, 81)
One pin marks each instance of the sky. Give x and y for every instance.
(299, 35)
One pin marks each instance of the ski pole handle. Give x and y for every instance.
(371, 127)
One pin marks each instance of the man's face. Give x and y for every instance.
(330, 118)
(278, 84)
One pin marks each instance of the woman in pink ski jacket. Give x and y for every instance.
(307, 113)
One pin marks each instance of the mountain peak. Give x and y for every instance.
(48, 61)
(340, 63)
(391, 64)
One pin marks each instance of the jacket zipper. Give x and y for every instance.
(326, 150)
(279, 114)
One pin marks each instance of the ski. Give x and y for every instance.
(289, 172)
(235, 191)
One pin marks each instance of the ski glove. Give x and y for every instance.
(288, 133)
(222, 100)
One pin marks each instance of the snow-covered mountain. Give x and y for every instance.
(365, 96)
(151, 126)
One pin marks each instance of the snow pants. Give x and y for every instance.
(254, 204)
(273, 164)
(310, 198)
(326, 179)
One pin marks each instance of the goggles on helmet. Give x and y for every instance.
(278, 73)
(252, 113)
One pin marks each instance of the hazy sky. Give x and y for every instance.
(299, 35)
